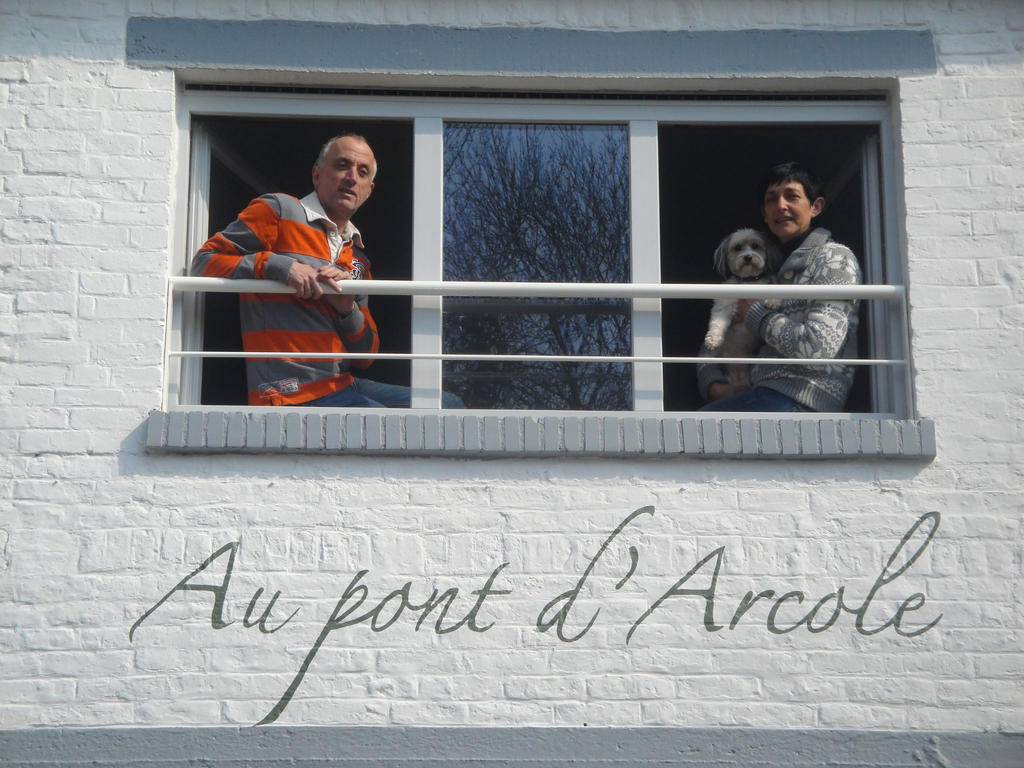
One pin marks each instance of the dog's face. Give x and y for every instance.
(744, 254)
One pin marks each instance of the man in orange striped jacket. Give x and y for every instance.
(306, 243)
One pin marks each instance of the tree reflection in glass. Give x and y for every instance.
(537, 203)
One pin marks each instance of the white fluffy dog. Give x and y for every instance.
(745, 256)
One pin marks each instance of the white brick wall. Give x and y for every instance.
(93, 531)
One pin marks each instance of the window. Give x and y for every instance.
(545, 203)
(511, 188)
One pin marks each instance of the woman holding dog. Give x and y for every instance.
(796, 328)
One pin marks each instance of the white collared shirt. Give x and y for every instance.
(335, 238)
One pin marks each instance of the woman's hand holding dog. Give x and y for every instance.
(720, 389)
(742, 306)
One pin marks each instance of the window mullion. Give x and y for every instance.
(645, 262)
(427, 253)
(884, 161)
(188, 308)
(887, 319)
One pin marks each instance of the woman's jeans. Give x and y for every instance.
(757, 399)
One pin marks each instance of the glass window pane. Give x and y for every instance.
(537, 203)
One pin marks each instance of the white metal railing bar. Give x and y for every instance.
(559, 290)
(448, 357)
(534, 290)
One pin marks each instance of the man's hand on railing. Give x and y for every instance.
(309, 284)
(343, 304)
(305, 280)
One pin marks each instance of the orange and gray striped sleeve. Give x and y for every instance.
(244, 249)
(358, 330)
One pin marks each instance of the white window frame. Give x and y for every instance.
(891, 393)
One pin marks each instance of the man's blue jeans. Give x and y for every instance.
(366, 393)
(757, 399)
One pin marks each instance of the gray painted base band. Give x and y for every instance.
(284, 45)
(308, 430)
(527, 747)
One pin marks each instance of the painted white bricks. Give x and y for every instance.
(94, 531)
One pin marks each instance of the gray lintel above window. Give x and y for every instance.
(322, 47)
(301, 430)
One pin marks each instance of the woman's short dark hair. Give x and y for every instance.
(791, 171)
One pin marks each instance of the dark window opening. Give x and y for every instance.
(708, 186)
(281, 153)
